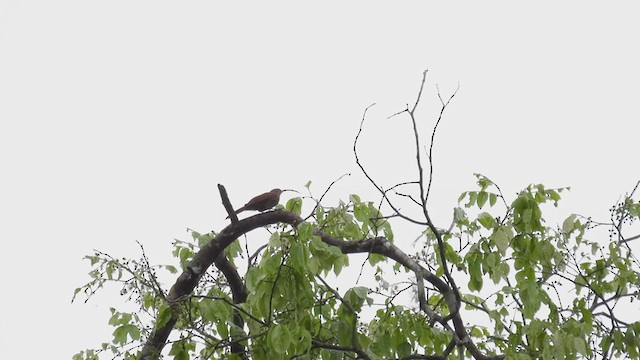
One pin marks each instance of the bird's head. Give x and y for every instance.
(279, 191)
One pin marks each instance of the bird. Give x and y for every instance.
(262, 202)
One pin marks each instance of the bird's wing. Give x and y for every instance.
(258, 199)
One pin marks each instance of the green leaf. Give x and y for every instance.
(353, 232)
(149, 300)
(388, 232)
(361, 212)
(320, 214)
(474, 260)
(501, 237)
(118, 318)
(554, 196)
(580, 346)
(493, 198)
(472, 199)
(459, 214)
(75, 292)
(305, 231)
(361, 291)
(180, 349)
(294, 205)
(605, 344)
(302, 340)
(164, 315)
(339, 263)
(568, 224)
(483, 196)
(254, 277)
(270, 264)
(274, 240)
(531, 298)
(526, 214)
(120, 334)
(376, 258)
(486, 220)
(342, 330)
(109, 270)
(185, 257)
(214, 310)
(203, 239)
(483, 181)
(375, 217)
(279, 338)
(356, 296)
(297, 256)
(313, 265)
(233, 250)
(559, 346)
(404, 349)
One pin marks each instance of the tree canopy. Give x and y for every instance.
(497, 282)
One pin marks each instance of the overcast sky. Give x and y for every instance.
(118, 119)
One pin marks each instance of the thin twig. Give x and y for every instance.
(323, 195)
(384, 195)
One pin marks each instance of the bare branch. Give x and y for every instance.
(433, 136)
(631, 238)
(361, 354)
(424, 77)
(384, 194)
(424, 194)
(227, 204)
(319, 201)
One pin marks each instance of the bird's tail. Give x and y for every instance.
(238, 211)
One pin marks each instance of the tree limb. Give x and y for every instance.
(239, 294)
(189, 278)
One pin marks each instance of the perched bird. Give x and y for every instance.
(262, 202)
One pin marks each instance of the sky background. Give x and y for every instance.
(118, 119)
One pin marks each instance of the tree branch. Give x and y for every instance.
(239, 294)
(227, 204)
(380, 189)
(198, 266)
(424, 195)
(188, 280)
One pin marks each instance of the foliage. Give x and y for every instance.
(525, 289)
(553, 291)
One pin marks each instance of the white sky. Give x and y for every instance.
(118, 119)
